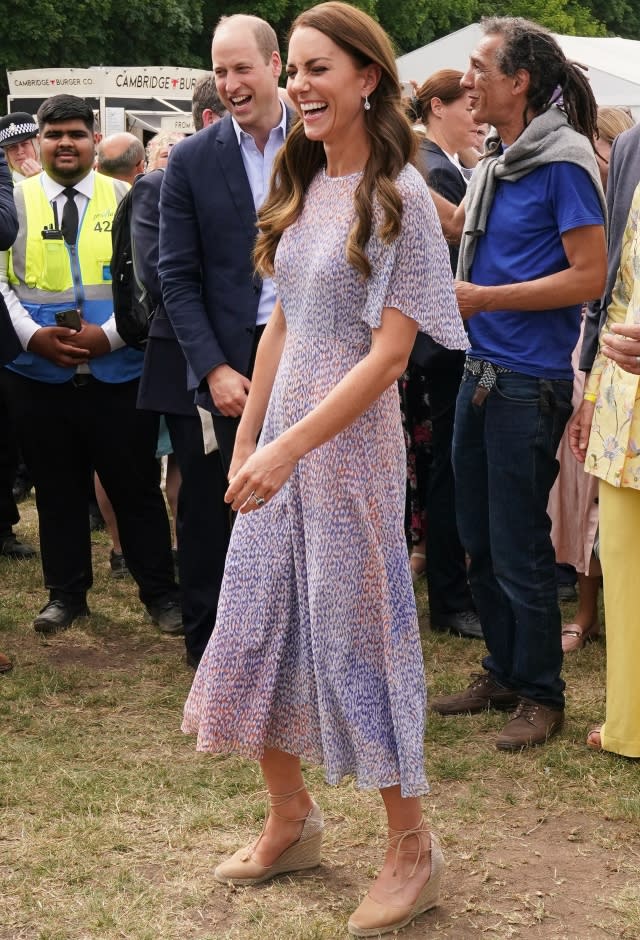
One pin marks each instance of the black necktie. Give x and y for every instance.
(69, 227)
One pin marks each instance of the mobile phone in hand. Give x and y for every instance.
(69, 318)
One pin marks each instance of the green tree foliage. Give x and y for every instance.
(178, 32)
(620, 17)
(100, 32)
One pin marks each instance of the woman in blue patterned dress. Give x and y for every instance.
(316, 652)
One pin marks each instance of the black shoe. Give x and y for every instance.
(168, 617)
(11, 547)
(59, 615)
(464, 623)
(118, 566)
(192, 660)
(21, 490)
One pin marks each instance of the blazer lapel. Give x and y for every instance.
(230, 158)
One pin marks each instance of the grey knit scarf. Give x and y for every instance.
(547, 139)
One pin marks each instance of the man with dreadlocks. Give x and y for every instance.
(532, 250)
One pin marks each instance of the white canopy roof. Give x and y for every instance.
(614, 64)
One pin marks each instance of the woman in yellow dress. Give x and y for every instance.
(605, 435)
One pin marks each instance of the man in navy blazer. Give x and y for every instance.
(211, 299)
(213, 186)
(203, 518)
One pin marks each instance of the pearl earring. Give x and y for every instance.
(367, 103)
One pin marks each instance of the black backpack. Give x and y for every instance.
(132, 305)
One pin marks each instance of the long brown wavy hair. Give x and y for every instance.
(392, 144)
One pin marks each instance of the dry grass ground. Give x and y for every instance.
(110, 824)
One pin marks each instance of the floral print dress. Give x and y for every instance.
(613, 453)
(316, 649)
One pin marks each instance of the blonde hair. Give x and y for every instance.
(392, 143)
(613, 121)
(156, 144)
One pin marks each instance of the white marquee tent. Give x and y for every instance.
(614, 64)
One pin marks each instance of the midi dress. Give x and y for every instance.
(316, 649)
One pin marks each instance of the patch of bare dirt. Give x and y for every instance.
(543, 880)
(119, 653)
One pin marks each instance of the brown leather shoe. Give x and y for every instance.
(5, 663)
(530, 724)
(484, 692)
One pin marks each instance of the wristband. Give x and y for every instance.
(588, 396)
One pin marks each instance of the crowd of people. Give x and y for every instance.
(377, 387)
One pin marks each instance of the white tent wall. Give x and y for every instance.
(614, 71)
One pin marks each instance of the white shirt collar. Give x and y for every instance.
(282, 125)
(52, 189)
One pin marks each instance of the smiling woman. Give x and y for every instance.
(352, 121)
(316, 651)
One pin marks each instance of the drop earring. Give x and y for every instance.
(367, 103)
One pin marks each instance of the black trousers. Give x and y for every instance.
(66, 429)
(447, 582)
(9, 514)
(203, 527)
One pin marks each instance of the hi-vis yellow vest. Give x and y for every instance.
(41, 273)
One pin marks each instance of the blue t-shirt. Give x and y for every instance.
(523, 242)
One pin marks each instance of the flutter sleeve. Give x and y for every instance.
(413, 274)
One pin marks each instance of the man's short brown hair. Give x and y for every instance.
(264, 34)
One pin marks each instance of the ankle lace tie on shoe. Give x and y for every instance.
(277, 800)
(401, 835)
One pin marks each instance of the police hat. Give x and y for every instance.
(16, 127)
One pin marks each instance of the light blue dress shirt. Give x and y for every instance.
(258, 168)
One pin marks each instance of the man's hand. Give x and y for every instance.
(30, 167)
(622, 345)
(229, 390)
(471, 298)
(579, 429)
(92, 338)
(54, 343)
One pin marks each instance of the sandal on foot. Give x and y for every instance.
(243, 869)
(374, 918)
(594, 740)
(575, 637)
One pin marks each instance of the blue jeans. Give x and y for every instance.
(504, 458)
